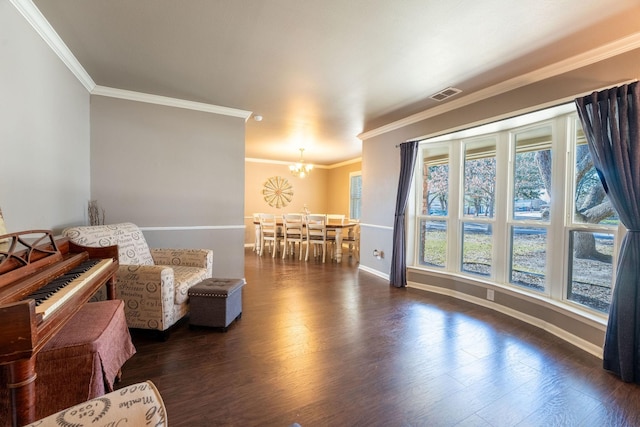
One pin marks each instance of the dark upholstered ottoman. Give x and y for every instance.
(215, 302)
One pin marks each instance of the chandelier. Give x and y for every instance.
(300, 168)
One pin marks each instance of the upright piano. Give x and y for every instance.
(44, 281)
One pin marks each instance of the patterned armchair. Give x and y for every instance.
(136, 405)
(153, 283)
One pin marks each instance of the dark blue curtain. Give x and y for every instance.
(398, 274)
(611, 123)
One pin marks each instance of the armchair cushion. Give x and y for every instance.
(186, 277)
(187, 257)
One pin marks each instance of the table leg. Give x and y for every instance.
(256, 246)
(338, 244)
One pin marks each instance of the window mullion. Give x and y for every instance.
(413, 213)
(561, 185)
(500, 224)
(454, 225)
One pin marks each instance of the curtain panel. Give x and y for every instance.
(398, 274)
(611, 123)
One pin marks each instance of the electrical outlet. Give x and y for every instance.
(490, 294)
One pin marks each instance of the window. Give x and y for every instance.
(480, 178)
(434, 206)
(479, 199)
(477, 247)
(532, 173)
(592, 230)
(530, 209)
(528, 261)
(497, 203)
(590, 276)
(355, 195)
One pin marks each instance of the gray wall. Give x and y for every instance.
(176, 173)
(44, 132)
(380, 172)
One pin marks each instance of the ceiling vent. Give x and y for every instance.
(445, 93)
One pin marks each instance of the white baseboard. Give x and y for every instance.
(373, 271)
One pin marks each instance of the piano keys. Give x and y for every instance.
(49, 290)
(55, 293)
(29, 316)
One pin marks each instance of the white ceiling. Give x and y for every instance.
(322, 72)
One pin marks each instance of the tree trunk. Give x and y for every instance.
(584, 245)
(543, 158)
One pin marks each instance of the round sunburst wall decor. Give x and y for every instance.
(277, 192)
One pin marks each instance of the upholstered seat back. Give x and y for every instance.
(153, 282)
(132, 246)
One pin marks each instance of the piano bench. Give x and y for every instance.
(82, 360)
(215, 302)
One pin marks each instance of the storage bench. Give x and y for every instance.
(215, 302)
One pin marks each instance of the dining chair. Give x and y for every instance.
(317, 234)
(256, 219)
(293, 231)
(269, 232)
(336, 218)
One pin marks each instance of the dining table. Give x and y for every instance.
(336, 226)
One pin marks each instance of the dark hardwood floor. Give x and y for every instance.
(329, 345)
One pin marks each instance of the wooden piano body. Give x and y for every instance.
(28, 261)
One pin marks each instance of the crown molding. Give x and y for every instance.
(345, 163)
(268, 161)
(279, 162)
(315, 166)
(39, 23)
(593, 56)
(169, 102)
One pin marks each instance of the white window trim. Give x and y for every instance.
(558, 228)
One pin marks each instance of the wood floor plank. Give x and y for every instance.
(330, 345)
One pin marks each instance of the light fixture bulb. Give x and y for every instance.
(300, 168)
